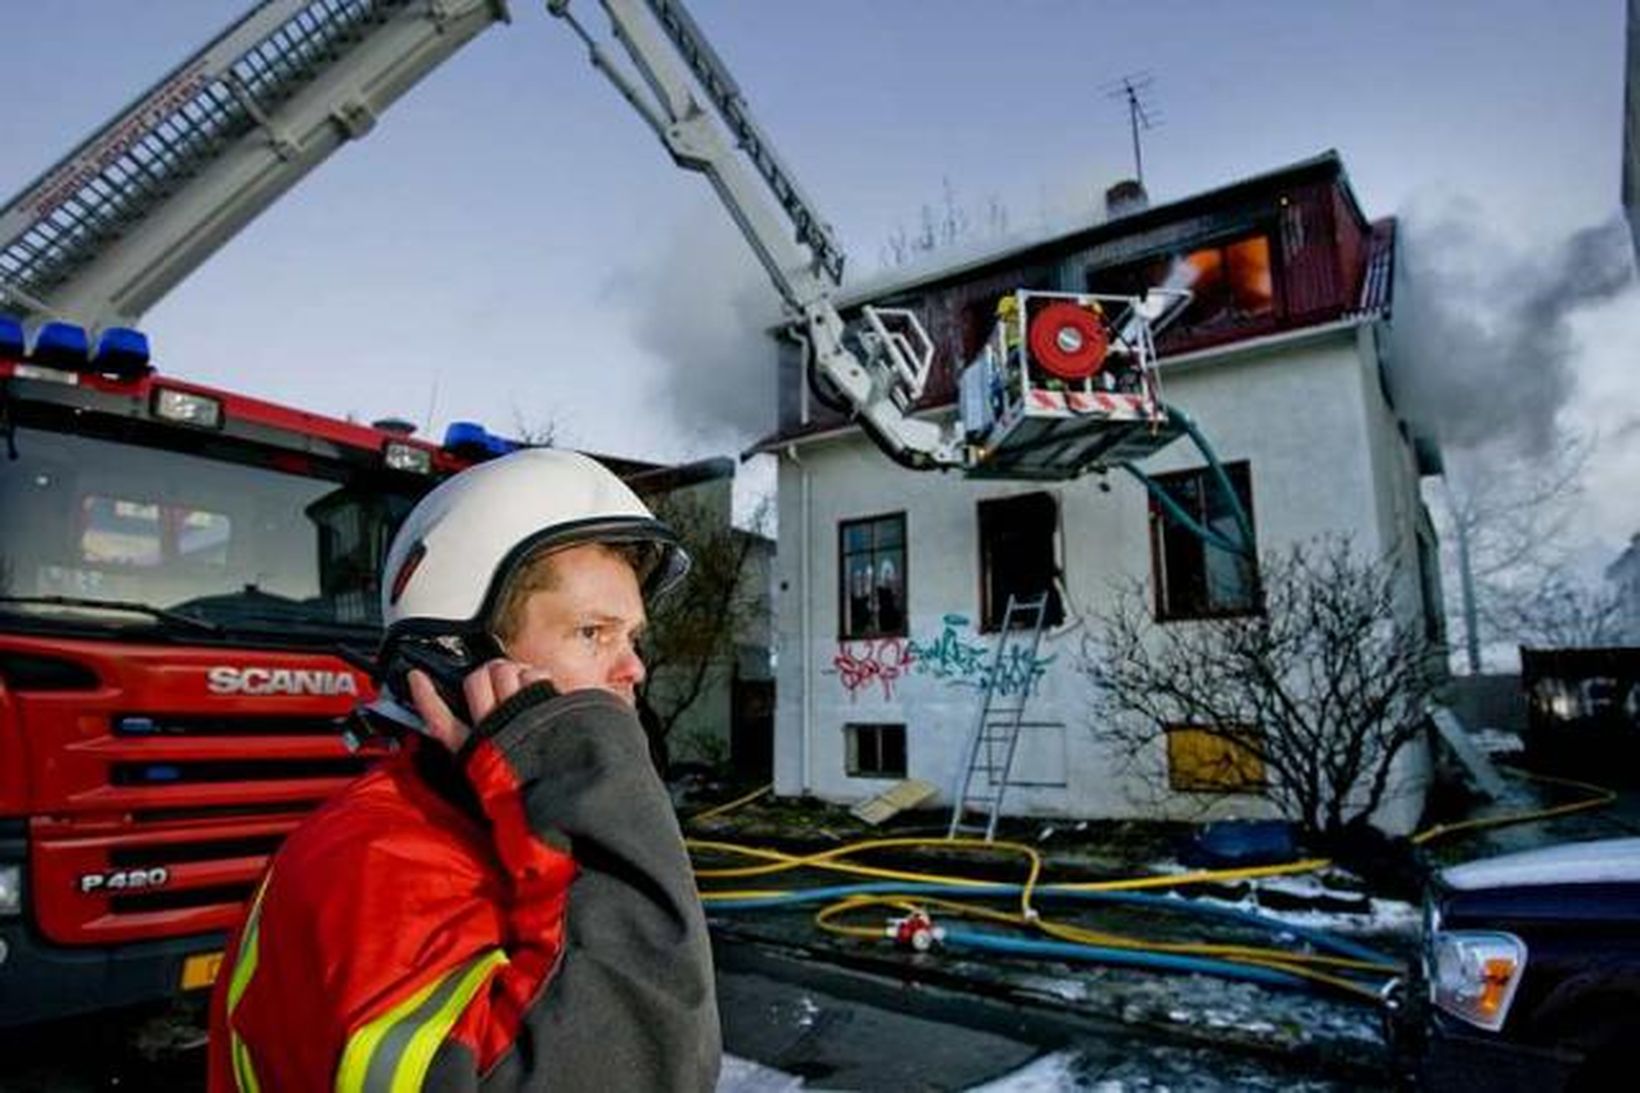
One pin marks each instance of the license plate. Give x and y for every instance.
(199, 971)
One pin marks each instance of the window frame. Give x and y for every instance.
(1179, 336)
(855, 731)
(1159, 524)
(990, 615)
(843, 555)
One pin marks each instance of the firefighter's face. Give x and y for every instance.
(583, 628)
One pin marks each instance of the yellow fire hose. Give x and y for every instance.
(1311, 966)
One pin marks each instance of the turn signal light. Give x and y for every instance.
(1475, 975)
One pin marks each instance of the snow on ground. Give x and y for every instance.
(1147, 1067)
(1048, 1074)
(1369, 916)
(744, 1076)
(1378, 918)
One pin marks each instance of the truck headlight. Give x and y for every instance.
(408, 457)
(187, 408)
(1475, 975)
(11, 889)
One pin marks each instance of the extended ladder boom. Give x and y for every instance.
(802, 258)
(144, 201)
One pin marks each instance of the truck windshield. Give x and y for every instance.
(280, 543)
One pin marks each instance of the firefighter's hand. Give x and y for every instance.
(485, 688)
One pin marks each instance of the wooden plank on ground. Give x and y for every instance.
(894, 800)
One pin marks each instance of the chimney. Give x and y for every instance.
(1125, 198)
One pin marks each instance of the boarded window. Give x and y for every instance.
(872, 577)
(875, 750)
(1213, 761)
(1194, 578)
(1017, 556)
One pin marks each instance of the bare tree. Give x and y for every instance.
(1319, 691)
(1563, 613)
(535, 434)
(944, 226)
(690, 647)
(1504, 520)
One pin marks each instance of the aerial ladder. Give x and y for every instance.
(1065, 385)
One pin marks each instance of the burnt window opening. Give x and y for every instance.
(875, 750)
(1195, 579)
(1232, 285)
(872, 579)
(1018, 557)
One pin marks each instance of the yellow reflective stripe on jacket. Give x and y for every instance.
(244, 966)
(393, 1053)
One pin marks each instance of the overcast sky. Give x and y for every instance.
(511, 245)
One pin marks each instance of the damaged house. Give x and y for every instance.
(891, 585)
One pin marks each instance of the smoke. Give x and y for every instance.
(1485, 351)
(702, 309)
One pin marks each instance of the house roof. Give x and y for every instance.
(1372, 301)
(950, 268)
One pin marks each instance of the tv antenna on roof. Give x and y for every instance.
(1134, 90)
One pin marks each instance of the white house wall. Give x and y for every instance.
(1299, 414)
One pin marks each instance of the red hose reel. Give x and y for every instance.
(1068, 340)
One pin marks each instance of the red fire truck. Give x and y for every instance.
(178, 566)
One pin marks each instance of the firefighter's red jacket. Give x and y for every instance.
(522, 918)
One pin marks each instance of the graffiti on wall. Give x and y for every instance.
(860, 664)
(953, 657)
(960, 661)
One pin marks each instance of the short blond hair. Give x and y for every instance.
(539, 573)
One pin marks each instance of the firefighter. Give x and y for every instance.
(505, 904)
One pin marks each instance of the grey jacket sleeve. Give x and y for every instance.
(632, 1003)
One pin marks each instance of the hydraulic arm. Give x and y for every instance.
(1065, 385)
(806, 264)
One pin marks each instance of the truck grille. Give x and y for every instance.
(165, 821)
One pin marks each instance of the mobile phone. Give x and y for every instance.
(447, 661)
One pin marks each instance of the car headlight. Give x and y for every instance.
(1475, 975)
(11, 889)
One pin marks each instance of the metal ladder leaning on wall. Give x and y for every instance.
(995, 736)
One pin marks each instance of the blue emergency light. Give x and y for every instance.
(12, 342)
(61, 345)
(121, 352)
(471, 438)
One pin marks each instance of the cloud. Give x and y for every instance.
(701, 308)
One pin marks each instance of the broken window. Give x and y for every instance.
(872, 578)
(875, 750)
(1194, 578)
(1018, 557)
(1231, 284)
(1201, 760)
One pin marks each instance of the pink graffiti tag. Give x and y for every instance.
(860, 663)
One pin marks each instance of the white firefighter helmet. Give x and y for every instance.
(452, 557)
